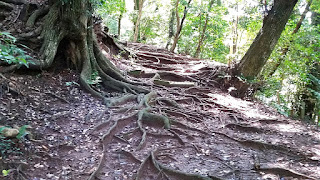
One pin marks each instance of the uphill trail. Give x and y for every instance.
(187, 127)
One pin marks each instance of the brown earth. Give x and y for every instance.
(192, 129)
(188, 127)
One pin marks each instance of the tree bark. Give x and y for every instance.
(137, 25)
(235, 22)
(268, 36)
(179, 24)
(119, 24)
(70, 25)
(171, 31)
(201, 39)
(286, 48)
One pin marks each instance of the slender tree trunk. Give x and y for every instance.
(233, 47)
(179, 24)
(119, 24)
(286, 47)
(201, 39)
(137, 26)
(315, 18)
(264, 7)
(268, 36)
(171, 31)
(309, 95)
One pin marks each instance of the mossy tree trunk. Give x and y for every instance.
(73, 23)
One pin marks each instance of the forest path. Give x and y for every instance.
(187, 128)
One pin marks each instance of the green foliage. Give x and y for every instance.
(5, 172)
(111, 7)
(243, 26)
(7, 147)
(111, 11)
(10, 52)
(148, 28)
(95, 78)
(315, 6)
(294, 79)
(213, 46)
(23, 131)
(72, 83)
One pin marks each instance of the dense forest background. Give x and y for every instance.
(223, 31)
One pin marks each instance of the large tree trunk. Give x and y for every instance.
(286, 48)
(70, 25)
(263, 45)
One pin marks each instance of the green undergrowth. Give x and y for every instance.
(10, 53)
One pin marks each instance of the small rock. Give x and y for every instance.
(38, 166)
(50, 175)
(10, 132)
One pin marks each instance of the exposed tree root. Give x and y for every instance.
(83, 48)
(131, 156)
(106, 138)
(6, 5)
(101, 125)
(181, 125)
(149, 118)
(98, 168)
(188, 116)
(7, 69)
(144, 116)
(157, 58)
(168, 172)
(38, 13)
(148, 164)
(165, 75)
(29, 35)
(58, 97)
(283, 172)
(177, 136)
(168, 102)
(245, 128)
(19, 2)
(178, 117)
(263, 145)
(122, 100)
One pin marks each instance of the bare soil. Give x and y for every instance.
(209, 133)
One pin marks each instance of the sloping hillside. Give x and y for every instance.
(186, 128)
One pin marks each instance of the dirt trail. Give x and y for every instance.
(187, 128)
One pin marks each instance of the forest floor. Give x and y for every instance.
(208, 134)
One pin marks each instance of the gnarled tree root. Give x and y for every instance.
(106, 138)
(167, 172)
(264, 145)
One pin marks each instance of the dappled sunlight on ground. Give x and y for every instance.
(288, 128)
(246, 108)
